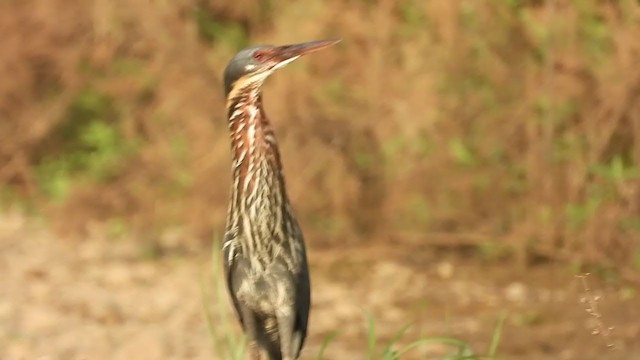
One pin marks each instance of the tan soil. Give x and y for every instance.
(116, 299)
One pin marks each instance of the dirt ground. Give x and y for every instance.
(116, 299)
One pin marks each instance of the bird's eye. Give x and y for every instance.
(258, 56)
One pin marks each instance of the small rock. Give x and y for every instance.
(445, 270)
(516, 292)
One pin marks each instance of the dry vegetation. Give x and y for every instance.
(511, 126)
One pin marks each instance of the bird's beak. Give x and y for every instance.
(287, 53)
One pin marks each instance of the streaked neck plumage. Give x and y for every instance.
(259, 206)
(257, 169)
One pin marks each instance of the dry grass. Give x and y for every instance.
(512, 126)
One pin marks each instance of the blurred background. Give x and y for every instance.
(452, 162)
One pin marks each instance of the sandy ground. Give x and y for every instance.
(120, 299)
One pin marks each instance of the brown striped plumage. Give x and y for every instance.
(264, 254)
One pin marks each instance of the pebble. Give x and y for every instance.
(516, 292)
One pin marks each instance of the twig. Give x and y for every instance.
(591, 302)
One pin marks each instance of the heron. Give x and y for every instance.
(265, 261)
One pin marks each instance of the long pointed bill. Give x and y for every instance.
(271, 58)
(287, 53)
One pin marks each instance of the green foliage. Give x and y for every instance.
(393, 147)
(416, 212)
(605, 272)
(212, 29)
(325, 343)
(413, 18)
(630, 224)
(117, 227)
(421, 146)
(515, 4)
(266, 8)
(54, 179)
(336, 91)
(578, 214)
(541, 34)
(397, 146)
(627, 293)
(635, 260)
(331, 225)
(180, 179)
(469, 15)
(125, 66)
(493, 251)
(593, 32)
(228, 346)
(10, 199)
(87, 144)
(528, 318)
(391, 350)
(461, 153)
(364, 160)
(497, 336)
(554, 112)
(618, 170)
(567, 147)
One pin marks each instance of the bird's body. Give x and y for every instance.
(264, 253)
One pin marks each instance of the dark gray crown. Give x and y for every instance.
(237, 67)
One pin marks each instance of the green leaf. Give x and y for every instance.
(461, 153)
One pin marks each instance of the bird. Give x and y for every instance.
(265, 261)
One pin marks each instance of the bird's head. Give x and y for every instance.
(251, 66)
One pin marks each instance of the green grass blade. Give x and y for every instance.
(206, 300)
(388, 352)
(371, 336)
(497, 335)
(325, 343)
(235, 346)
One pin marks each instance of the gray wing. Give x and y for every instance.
(303, 299)
(231, 272)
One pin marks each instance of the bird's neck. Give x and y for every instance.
(258, 181)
